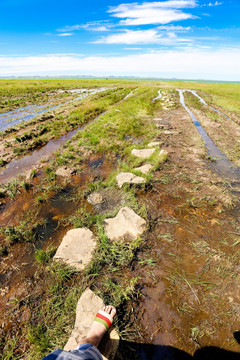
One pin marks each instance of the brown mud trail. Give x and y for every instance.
(190, 278)
(191, 292)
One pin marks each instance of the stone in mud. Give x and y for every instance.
(95, 198)
(129, 178)
(64, 171)
(154, 143)
(76, 248)
(163, 156)
(144, 168)
(127, 224)
(87, 307)
(28, 175)
(143, 153)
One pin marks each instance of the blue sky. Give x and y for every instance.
(171, 38)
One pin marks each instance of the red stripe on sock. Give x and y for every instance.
(100, 316)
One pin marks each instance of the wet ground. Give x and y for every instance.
(27, 113)
(194, 252)
(190, 278)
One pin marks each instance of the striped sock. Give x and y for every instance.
(104, 318)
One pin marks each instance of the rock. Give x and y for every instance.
(129, 178)
(159, 126)
(64, 171)
(95, 198)
(76, 248)
(28, 174)
(87, 308)
(127, 224)
(143, 153)
(145, 168)
(157, 119)
(163, 156)
(154, 143)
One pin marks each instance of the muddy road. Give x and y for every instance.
(186, 268)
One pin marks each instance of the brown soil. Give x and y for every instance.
(224, 132)
(191, 295)
(190, 287)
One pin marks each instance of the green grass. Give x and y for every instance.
(44, 257)
(224, 95)
(52, 320)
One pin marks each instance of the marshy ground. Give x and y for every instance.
(176, 288)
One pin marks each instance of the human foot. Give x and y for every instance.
(101, 324)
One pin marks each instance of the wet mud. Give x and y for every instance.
(189, 273)
(190, 299)
(20, 265)
(24, 164)
(221, 164)
(27, 113)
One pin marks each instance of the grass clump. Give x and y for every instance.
(20, 233)
(82, 218)
(44, 257)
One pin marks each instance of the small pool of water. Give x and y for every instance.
(157, 97)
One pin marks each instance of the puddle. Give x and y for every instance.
(204, 103)
(29, 112)
(22, 165)
(95, 163)
(220, 164)
(128, 95)
(158, 97)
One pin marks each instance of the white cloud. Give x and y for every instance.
(177, 28)
(69, 28)
(131, 37)
(141, 37)
(160, 12)
(99, 28)
(65, 34)
(222, 64)
(216, 3)
(92, 25)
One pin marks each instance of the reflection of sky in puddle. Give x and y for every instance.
(27, 113)
(220, 164)
(157, 97)
(204, 103)
(22, 165)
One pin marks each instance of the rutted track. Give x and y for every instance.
(27, 113)
(221, 164)
(22, 165)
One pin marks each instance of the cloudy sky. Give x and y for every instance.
(169, 39)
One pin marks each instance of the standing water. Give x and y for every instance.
(24, 164)
(204, 103)
(158, 97)
(27, 113)
(221, 164)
